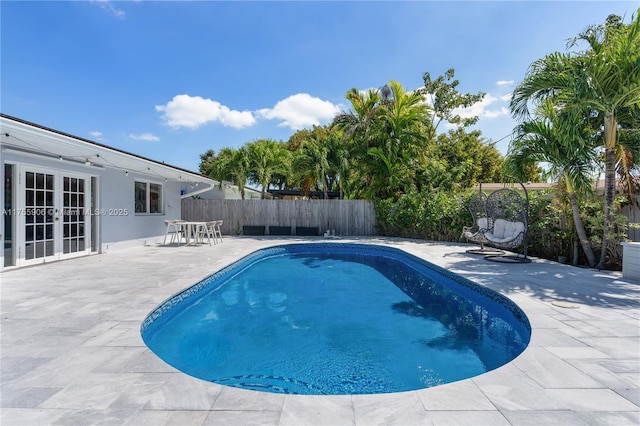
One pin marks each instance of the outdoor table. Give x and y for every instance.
(192, 230)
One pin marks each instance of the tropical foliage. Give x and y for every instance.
(565, 142)
(413, 153)
(384, 147)
(603, 84)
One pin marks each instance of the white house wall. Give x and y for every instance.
(110, 173)
(118, 225)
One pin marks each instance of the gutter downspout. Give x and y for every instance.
(199, 191)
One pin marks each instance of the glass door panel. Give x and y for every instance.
(39, 216)
(55, 219)
(74, 239)
(9, 216)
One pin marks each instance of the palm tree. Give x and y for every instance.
(405, 118)
(338, 159)
(565, 144)
(266, 158)
(389, 176)
(311, 164)
(359, 125)
(628, 151)
(385, 135)
(232, 165)
(602, 81)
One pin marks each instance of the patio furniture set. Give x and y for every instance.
(193, 232)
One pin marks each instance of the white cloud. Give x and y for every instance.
(482, 110)
(300, 111)
(96, 135)
(194, 111)
(493, 113)
(506, 98)
(108, 5)
(144, 137)
(505, 83)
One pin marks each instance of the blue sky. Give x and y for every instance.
(169, 80)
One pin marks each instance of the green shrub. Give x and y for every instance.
(593, 217)
(437, 216)
(440, 216)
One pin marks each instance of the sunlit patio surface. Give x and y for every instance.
(71, 351)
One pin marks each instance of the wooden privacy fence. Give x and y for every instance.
(632, 212)
(344, 217)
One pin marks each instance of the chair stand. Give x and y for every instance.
(486, 251)
(511, 258)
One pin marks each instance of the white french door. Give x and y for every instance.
(54, 220)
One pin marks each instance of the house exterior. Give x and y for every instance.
(65, 196)
(230, 191)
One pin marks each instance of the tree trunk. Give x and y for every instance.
(582, 234)
(324, 190)
(609, 181)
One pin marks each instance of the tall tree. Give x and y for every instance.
(231, 165)
(206, 161)
(565, 143)
(628, 151)
(266, 158)
(601, 81)
(384, 132)
(338, 159)
(447, 102)
(469, 159)
(311, 165)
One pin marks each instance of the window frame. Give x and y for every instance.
(150, 202)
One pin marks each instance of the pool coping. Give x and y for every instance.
(82, 359)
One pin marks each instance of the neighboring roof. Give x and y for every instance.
(298, 193)
(492, 186)
(535, 186)
(30, 138)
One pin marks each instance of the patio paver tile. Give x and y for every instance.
(72, 347)
(592, 400)
(606, 418)
(537, 418)
(317, 410)
(31, 416)
(572, 352)
(599, 371)
(244, 418)
(388, 409)
(182, 392)
(552, 372)
(457, 396)
(238, 399)
(616, 347)
(468, 418)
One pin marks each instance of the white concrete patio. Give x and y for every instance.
(71, 351)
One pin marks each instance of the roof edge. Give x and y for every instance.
(103, 146)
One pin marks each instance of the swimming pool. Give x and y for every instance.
(335, 318)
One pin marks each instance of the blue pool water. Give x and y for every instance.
(333, 318)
